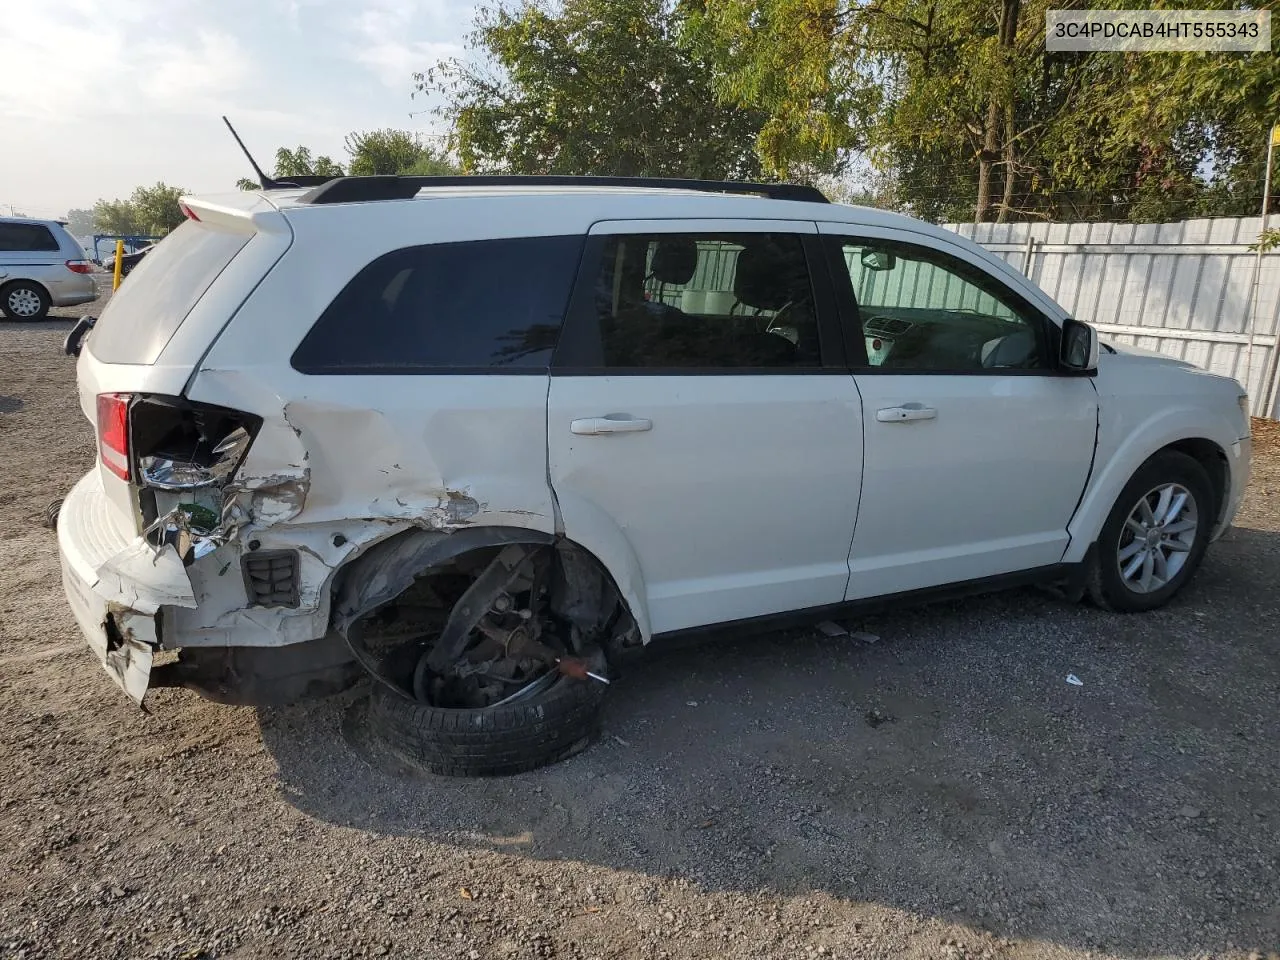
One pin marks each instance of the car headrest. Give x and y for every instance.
(674, 260)
(767, 278)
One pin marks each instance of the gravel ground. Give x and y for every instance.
(940, 793)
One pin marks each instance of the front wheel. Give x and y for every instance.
(1155, 535)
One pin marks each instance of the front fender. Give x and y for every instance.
(1124, 446)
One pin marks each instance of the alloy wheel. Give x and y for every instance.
(1157, 538)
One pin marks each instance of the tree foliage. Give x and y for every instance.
(116, 216)
(296, 162)
(961, 104)
(79, 222)
(590, 87)
(374, 152)
(149, 210)
(388, 152)
(157, 207)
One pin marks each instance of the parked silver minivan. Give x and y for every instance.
(41, 266)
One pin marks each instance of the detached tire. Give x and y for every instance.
(506, 739)
(1174, 538)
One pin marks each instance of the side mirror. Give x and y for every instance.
(878, 259)
(1079, 352)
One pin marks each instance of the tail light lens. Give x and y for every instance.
(80, 266)
(113, 432)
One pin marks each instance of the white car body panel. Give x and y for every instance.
(773, 532)
(1147, 404)
(987, 487)
(721, 530)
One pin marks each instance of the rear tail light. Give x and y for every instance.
(80, 266)
(167, 443)
(113, 432)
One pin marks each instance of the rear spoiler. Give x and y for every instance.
(240, 212)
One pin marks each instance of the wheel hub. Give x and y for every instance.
(1157, 538)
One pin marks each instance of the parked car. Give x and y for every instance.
(128, 261)
(480, 443)
(41, 266)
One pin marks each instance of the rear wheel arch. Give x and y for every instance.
(380, 574)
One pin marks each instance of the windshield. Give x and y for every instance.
(152, 302)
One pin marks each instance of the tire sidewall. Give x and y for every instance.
(1170, 467)
(495, 741)
(41, 295)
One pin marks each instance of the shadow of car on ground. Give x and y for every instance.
(948, 769)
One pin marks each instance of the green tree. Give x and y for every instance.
(79, 222)
(590, 87)
(157, 207)
(384, 152)
(963, 108)
(432, 163)
(117, 216)
(298, 162)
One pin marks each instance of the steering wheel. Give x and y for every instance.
(779, 328)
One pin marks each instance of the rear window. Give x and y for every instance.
(484, 304)
(158, 294)
(27, 236)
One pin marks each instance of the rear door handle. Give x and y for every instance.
(908, 411)
(610, 423)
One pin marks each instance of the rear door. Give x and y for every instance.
(977, 448)
(700, 410)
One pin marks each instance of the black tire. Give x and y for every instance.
(1106, 585)
(28, 294)
(51, 513)
(512, 738)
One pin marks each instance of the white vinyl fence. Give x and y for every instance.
(1183, 289)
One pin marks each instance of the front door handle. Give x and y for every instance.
(908, 411)
(610, 423)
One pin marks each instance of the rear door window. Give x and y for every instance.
(156, 297)
(713, 301)
(24, 237)
(484, 305)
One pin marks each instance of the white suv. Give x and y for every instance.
(478, 437)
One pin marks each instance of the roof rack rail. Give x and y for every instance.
(361, 189)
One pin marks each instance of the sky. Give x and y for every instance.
(100, 96)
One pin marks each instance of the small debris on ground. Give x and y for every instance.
(1074, 680)
(876, 717)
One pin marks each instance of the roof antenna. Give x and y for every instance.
(267, 182)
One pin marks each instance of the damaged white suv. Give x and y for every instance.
(477, 437)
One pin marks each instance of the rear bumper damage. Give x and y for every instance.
(116, 586)
(132, 599)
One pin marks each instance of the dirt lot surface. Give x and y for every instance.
(940, 793)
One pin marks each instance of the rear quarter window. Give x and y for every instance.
(23, 237)
(156, 297)
(493, 305)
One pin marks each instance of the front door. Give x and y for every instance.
(701, 412)
(977, 449)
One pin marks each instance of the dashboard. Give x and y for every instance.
(947, 340)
